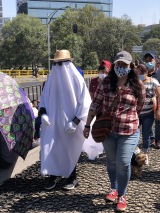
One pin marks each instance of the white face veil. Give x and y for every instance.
(66, 91)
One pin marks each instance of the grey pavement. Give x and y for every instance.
(32, 81)
(27, 79)
(25, 192)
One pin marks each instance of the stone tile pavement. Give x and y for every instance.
(25, 192)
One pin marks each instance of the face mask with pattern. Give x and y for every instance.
(120, 71)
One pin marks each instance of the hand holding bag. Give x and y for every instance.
(102, 125)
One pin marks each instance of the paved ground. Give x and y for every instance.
(28, 79)
(25, 193)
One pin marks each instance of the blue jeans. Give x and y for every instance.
(119, 150)
(146, 121)
(152, 137)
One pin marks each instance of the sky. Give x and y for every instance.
(140, 11)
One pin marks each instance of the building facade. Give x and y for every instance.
(43, 8)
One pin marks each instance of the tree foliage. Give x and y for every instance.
(152, 44)
(80, 44)
(116, 35)
(96, 34)
(154, 33)
(24, 42)
(92, 61)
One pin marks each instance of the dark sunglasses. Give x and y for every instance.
(101, 68)
(59, 63)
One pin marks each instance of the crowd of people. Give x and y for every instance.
(67, 109)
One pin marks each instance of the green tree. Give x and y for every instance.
(88, 21)
(92, 61)
(114, 35)
(152, 44)
(154, 33)
(100, 37)
(80, 44)
(96, 33)
(24, 42)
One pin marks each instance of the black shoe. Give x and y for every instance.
(35, 143)
(152, 143)
(71, 184)
(53, 180)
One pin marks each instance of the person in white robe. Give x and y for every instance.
(64, 106)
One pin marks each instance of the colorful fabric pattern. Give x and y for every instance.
(16, 116)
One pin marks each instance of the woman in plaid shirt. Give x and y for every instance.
(126, 90)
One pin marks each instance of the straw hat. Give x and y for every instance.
(62, 55)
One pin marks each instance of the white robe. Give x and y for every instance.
(65, 96)
(92, 148)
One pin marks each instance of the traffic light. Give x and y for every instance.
(75, 28)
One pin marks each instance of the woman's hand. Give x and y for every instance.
(90, 117)
(86, 132)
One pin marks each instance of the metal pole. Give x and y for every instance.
(50, 16)
(49, 51)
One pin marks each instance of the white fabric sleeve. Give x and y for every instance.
(83, 101)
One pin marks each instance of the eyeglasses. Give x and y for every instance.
(59, 63)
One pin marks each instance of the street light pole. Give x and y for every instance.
(49, 18)
(49, 50)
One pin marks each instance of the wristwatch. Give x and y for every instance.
(76, 120)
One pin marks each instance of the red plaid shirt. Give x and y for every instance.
(125, 106)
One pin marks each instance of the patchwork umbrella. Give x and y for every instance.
(16, 116)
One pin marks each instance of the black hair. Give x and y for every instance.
(133, 81)
(148, 55)
(142, 68)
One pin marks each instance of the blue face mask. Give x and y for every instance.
(121, 71)
(150, 65)
(141, 77)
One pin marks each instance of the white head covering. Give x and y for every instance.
(65, 84)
